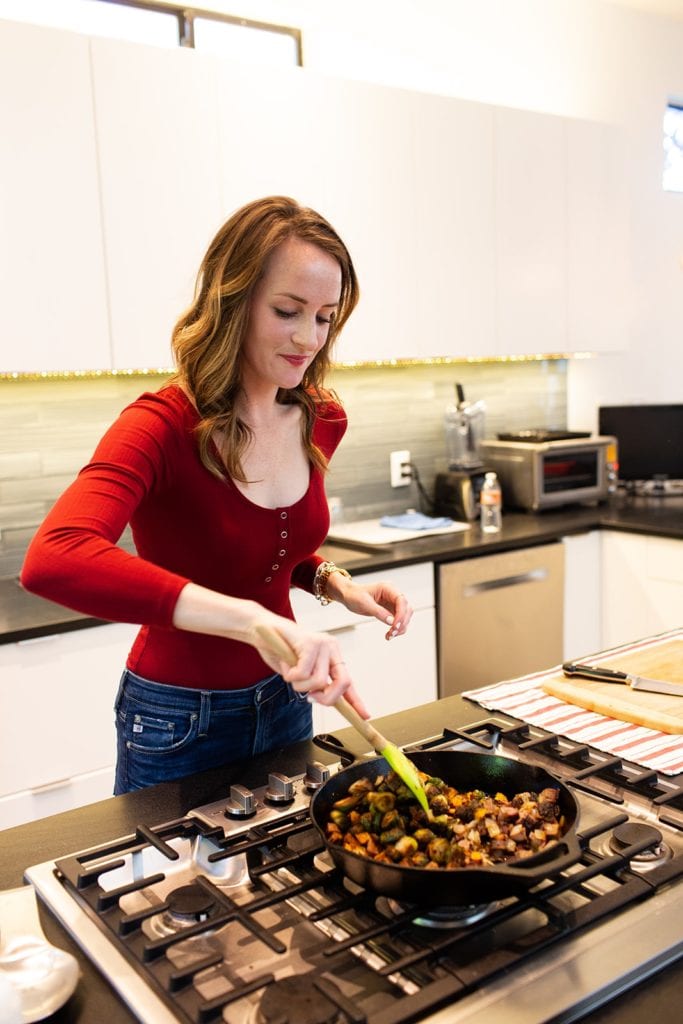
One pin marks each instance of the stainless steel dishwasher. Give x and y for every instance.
(500, 616)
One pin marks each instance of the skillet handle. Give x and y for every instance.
(329, 742)
(551, 862)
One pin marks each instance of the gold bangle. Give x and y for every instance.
(322, 575)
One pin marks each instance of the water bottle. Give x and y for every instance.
(491, 503)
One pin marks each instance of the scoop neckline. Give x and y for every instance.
(228, 479)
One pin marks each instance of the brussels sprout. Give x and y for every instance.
(405, 846)
(391, 836)
(360, 786)
(381, 802)
(346, 803)
(439, 850)
(423, 835)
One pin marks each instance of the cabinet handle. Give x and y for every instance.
(472, 589)
(47, 786)
(340, 629)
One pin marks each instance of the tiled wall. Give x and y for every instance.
(48, 429)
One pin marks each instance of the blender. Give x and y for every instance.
(456, 492)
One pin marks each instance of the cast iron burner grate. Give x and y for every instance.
(401, 970)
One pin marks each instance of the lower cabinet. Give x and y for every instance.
(390, 675)
(642, 586)
(582, 595)
(57, 741)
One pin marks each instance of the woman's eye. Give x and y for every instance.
(324, 320)
(286, 314)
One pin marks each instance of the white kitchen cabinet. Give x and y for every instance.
(390, 675)
(475, 230)
(642, 586)
(52, 276)
(598, 288)
(57, 739)
(455, 236)
(346, 149)
(158, 148)
(582, 595)
(531, 232)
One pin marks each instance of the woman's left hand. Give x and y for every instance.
(380, 600)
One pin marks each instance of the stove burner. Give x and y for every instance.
(445, 916)
(631, 832)
(190, 903)
(296, 1001)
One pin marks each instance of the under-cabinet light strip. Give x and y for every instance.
(350, 365)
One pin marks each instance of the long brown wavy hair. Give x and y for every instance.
(207, 339)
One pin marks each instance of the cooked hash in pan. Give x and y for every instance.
(382, 820)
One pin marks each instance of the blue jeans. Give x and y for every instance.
(166, 732)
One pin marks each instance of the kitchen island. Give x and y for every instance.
(95, 1001)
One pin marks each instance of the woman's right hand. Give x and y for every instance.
(314, 663)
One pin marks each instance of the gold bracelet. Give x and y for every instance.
(322, 575)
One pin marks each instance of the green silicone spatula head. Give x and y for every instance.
(393, 755)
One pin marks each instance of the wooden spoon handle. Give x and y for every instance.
(278, 645)
(367, 731)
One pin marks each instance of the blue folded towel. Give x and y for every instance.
(415, 521)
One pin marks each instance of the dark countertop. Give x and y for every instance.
(94, 1001)
(24, 616)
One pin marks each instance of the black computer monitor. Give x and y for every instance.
(650, 439)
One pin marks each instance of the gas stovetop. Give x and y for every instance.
(236, 913)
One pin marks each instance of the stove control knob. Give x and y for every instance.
(242, 803)
(316, 775)
(280, 789)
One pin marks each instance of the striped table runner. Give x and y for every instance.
(525, 699)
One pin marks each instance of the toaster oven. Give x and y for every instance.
(538, 475)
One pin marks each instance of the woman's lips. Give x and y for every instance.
(296, 360)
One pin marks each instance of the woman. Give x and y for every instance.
(220, 474)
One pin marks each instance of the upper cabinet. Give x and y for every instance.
(598, 294)
(455, 236)
(476, 231)
(346, 149)
(158, 146)
(52, 280)
(531, 232)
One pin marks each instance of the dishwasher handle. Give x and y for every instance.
(531, 576)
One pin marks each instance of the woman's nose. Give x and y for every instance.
(306, 335)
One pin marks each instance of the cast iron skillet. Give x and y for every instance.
(455, 886)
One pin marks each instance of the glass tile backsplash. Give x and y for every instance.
(48, 430)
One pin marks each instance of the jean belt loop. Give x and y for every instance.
(204, 712)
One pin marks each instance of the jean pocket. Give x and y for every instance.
(295, 697)
(160, 733)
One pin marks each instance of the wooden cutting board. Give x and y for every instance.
(654, 710)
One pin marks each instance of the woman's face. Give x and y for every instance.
(289, 315)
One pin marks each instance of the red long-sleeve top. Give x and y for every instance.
(188, 526)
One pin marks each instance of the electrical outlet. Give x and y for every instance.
(400, 477)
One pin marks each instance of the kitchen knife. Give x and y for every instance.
(610, 675)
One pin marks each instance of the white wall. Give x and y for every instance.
(583, 58)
